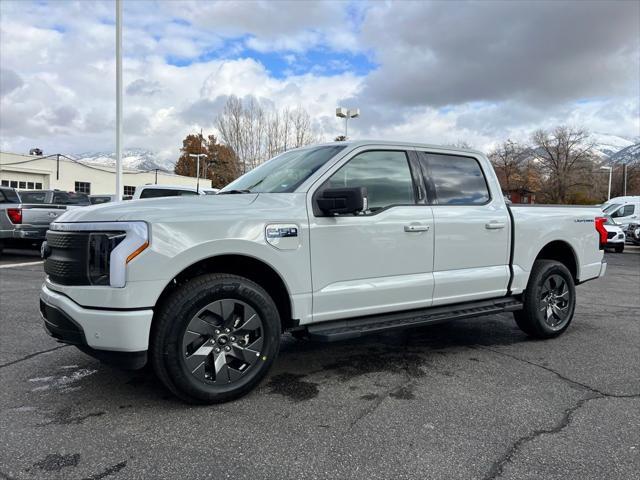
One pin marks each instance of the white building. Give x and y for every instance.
(35, 172)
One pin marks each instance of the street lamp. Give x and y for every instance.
(119, 188)
(610, 171)
(342, 112)
(198, 155)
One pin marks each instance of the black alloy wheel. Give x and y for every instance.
(214, 338)
(549, 300)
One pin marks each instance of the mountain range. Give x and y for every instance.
(611, 148)
(133, 159)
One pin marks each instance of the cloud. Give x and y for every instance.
(9, 81)
(143, 87)
(537, 52)
(434, 72)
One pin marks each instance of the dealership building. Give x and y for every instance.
(35, 172)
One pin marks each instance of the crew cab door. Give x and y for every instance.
(380, 260)
(472, 229)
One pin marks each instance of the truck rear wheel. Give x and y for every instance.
(215, 338)
(549, 300)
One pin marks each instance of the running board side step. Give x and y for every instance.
(356, 327)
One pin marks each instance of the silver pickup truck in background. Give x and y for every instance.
(24, 221)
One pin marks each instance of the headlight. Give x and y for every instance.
(101, 245)
(110, 246)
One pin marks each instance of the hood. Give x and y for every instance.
(158, 209)
(612, 228)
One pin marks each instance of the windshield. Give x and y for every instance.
(611, 207)
(283, 173)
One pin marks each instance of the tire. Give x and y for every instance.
(549, 300)
(215, 338)
(619, 248)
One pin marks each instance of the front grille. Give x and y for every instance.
(610, 235)
(67, 240)
(68, 262)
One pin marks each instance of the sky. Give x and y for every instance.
(434, 72)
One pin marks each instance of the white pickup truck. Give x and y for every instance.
(330, 242)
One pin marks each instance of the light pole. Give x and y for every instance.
(610, 171)
(119, 100)
(342, 112)
(198, 155)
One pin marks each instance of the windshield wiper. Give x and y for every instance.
(234, 191)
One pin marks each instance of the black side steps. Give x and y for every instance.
(356, 327)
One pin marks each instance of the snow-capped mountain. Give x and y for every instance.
(627, 155)
(134, 159)
(607, 145)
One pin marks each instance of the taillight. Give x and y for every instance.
(15, 215)
(602, 232)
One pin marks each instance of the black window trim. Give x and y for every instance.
(434, 202)
(407, 152)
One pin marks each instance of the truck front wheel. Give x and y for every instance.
(215, 338)
(549, 300)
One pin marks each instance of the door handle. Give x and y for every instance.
(416, 228)
(493, 225)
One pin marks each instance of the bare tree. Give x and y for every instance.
(257, 134)
(508, 160)
(566, 158)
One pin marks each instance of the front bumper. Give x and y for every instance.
(100, 332)
(615, 243)
(29, 232)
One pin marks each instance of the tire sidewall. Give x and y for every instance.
(205, 292)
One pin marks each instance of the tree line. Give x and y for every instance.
(561, 166)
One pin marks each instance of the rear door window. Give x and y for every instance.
(454, 180)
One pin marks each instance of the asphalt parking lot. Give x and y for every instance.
(472, 399)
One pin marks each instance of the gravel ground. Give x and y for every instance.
(472, 399)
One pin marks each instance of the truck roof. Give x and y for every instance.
(362, 143)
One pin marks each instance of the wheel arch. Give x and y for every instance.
(246, 266)
(562, 252)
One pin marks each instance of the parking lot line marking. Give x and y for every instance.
(14, 265)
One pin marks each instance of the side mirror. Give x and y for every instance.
(334, 201)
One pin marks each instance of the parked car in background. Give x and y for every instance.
(623, 210)
(633, 234)
(330, 241)
(23, 223)
(615, 236)
(54, 197)
(156, 191)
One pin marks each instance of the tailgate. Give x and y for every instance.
(41, 214)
